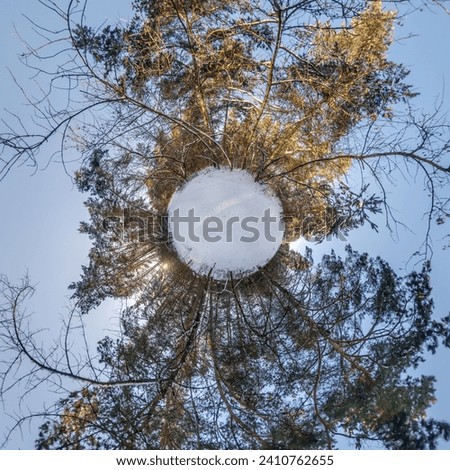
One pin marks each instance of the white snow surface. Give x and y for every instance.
(235, 223)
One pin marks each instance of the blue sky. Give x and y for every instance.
(41, 210)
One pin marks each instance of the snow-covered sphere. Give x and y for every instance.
(222, 221)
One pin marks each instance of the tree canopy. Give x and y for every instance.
(300, 94)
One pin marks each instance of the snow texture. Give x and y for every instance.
(221, 221)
